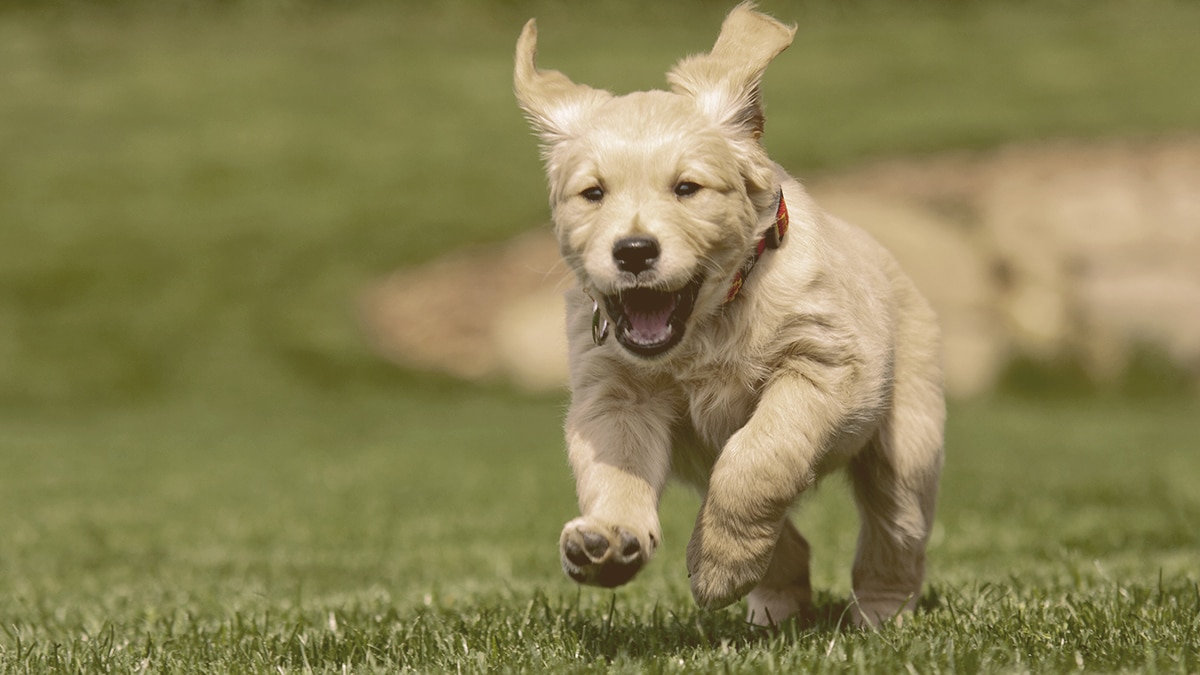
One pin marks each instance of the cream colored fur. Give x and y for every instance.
(828, 358)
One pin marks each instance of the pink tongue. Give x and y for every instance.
(652, 324)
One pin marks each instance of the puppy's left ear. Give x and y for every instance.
(725, 82)
(556, 106)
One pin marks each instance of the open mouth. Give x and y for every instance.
(651, 321)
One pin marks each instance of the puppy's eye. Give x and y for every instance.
(686, 188)
(593, 194)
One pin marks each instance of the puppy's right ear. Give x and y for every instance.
(554, 105)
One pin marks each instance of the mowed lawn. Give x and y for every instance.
(373, 530)
(203, 469)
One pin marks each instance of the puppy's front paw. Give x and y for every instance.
(724, 562)
(718, 582)
(603, 555)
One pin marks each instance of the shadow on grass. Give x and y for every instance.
(667, 633)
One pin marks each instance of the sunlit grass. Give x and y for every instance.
(373, 530)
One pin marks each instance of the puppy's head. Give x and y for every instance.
(658, 196)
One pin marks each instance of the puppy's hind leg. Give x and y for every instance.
(895, 480)
(786, 589)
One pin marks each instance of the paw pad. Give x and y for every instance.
(596, 545)
(601, 556)
(629, 545)
(574, 553)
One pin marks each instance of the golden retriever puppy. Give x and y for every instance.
(757, 343)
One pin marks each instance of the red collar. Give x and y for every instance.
(772, 237)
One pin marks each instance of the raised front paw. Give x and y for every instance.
(605, 555)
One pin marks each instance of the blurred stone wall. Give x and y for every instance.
(1048, 251)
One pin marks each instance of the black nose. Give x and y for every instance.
(635, 254)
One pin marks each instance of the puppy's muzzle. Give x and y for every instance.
(648, 318)
(635, 254)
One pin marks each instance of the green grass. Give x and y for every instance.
(202, 468)
(372, 531)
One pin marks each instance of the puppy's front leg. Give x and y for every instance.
(760, 472)
(618, 440)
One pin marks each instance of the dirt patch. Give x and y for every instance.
(1047, 251)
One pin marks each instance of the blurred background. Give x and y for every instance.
(277, 302)
(193, 196)
(210, 197)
